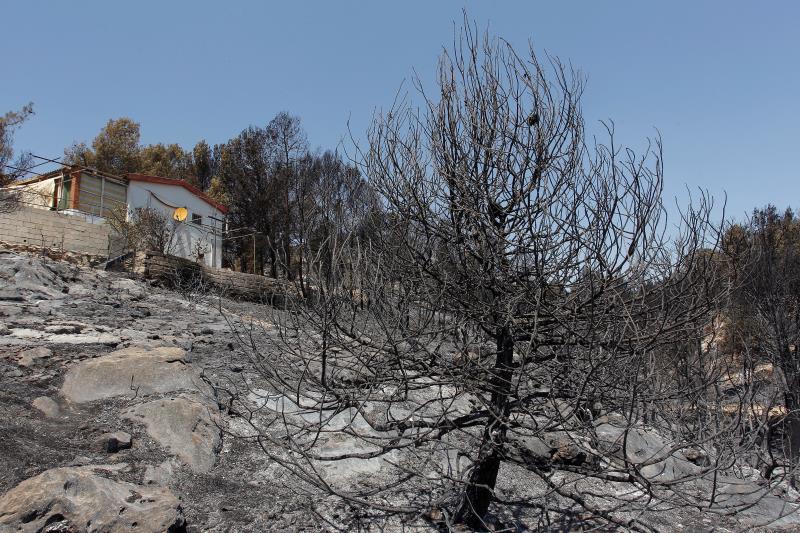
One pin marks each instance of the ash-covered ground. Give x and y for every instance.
(89, 358)
(115, 416)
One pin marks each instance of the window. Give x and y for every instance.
(197, 219)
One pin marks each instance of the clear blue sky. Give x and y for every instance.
(720, 80)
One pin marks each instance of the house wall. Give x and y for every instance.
(99, 196)
(31, 226)
(38, 194)
(188, 236)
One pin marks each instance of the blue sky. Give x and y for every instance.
(719, 79)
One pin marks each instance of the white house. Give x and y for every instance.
(93, 195)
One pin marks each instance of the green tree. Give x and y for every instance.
(216, 190)
(166, 160)
(115, 150)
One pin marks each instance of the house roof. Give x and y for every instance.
(130, 177)
(179, 183)
(67, 169)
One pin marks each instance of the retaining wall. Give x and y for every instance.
(172, 270)
(37, 228)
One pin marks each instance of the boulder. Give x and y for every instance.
(114, 442)
(655, 455)
(135, 371)
(47, 407)
(33, 356)
(77, 499)
(349, 472)
(184, 426)
(532, 449)
(565, 449)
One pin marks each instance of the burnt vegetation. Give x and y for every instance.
(511, 308)
(493, 323)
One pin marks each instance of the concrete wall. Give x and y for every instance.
(30, 226)
(188, 236)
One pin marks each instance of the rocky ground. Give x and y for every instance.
(114, 416)
(108, 414)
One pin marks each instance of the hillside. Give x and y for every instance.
(116, 414)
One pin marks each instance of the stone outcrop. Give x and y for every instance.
(184, 426)
(132, 372)
(78, 499)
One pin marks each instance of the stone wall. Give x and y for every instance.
(37, 228)
(173, 271)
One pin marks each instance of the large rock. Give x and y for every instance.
(654, 454)
(136, 371)
(77, 499)
(47, 406)
(186, 427)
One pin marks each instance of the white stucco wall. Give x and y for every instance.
(188, 236)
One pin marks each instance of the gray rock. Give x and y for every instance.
(135, 371)
(534, 449)
(133, 288)
(647, 448)
(697, 456)
(80, 460)
(92, 337)
(33, 356)
(13, 373)
(4, 329)
(47, 406)
(11, 309)
(184, 426)
(63, 328)
(349, 472)
(567, 450)
(114, 442)
(77, 499)
(11, 295)
(159, 474)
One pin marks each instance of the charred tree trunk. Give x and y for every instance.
(273, 263)
(479, 492)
